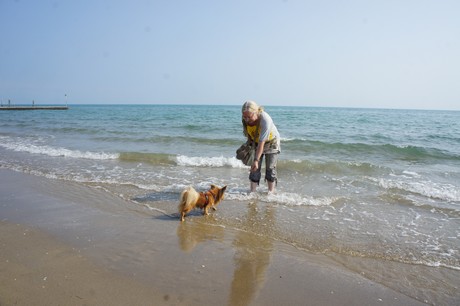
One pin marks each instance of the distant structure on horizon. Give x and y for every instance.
(33, 107)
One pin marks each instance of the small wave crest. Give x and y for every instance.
(182, 160)
(283, 198)
(29, 147)
(219, 161)
(405, 152)
(445, 192)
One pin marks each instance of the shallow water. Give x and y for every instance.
(366, 183)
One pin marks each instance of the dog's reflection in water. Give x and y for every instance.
(191, 234)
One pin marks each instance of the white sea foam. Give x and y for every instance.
(287, 139)
(446, 192)
(283, 198)
(411, 174)
(220, 161)
(29, 147)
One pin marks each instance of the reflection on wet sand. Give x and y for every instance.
(190, 234)
(252, 245)
(252, 255)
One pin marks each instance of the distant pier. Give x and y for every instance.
(34, 107)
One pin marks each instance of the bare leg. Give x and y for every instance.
(253, 187)
(271, 187)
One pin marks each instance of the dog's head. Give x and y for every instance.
(218, 192)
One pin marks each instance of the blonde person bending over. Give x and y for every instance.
(258, 126)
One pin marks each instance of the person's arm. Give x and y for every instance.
(258, 155)
(263, 137)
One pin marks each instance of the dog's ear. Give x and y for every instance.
(223, 188)
(213, 186)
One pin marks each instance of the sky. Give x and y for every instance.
(369, 53)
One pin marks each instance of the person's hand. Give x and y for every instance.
(255, 165)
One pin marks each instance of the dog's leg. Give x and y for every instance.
(182, 216)
(205, 212)
(214, 207)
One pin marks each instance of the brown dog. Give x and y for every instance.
(190, 199)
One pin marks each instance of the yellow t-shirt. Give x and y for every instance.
(254, 133)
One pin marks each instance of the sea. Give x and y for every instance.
(366, 184)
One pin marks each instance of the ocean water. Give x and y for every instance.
(366, 183)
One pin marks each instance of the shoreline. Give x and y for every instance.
(72, 244)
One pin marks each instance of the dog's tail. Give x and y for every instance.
(187, 199)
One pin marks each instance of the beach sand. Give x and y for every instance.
(64, 243)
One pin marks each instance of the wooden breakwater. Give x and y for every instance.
(34, 107)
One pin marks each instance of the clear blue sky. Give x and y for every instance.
(369, 53)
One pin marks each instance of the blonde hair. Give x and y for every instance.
(252, 107)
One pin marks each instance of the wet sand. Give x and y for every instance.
(68, 244)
